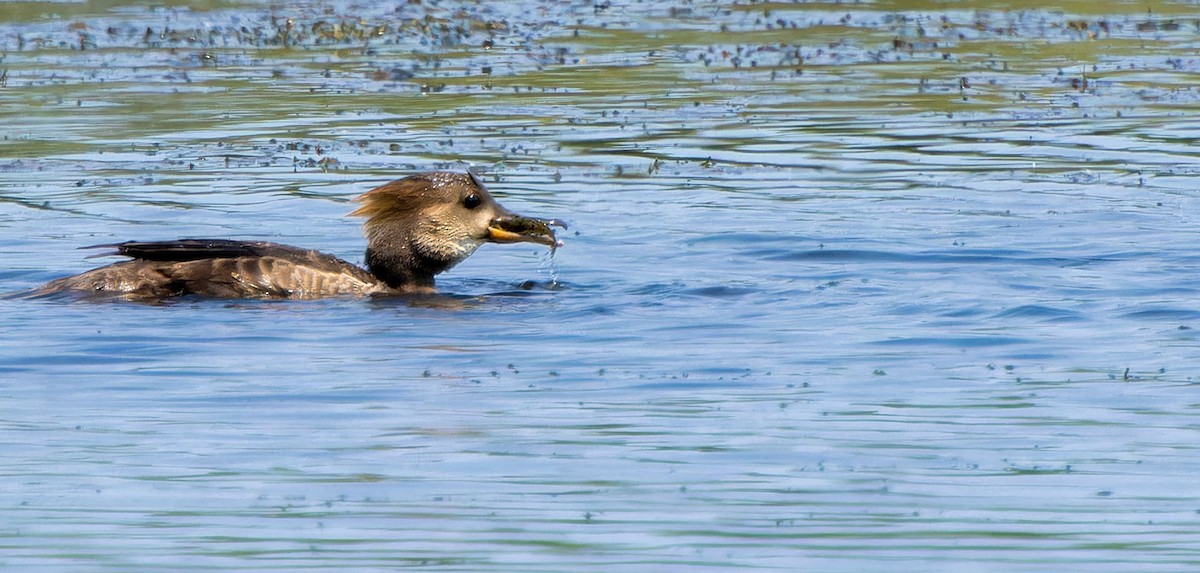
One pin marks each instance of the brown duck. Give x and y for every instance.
(416, 227)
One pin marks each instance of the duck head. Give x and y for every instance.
(424, 224)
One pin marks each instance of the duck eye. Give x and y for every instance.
(472, 201)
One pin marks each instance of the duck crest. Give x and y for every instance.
(395, 198)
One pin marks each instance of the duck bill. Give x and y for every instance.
(518, 229)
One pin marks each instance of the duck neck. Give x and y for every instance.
(398, 268)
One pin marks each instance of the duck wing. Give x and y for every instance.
(221, 268)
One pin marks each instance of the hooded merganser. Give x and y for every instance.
(416, 227)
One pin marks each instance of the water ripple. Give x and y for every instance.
(867, 288)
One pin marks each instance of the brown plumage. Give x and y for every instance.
(416, 227)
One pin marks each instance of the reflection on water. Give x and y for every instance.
(854, 287)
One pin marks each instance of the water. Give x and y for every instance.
(847, 287)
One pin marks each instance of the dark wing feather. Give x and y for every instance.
(181, 250)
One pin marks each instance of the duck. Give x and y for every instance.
(416, 227)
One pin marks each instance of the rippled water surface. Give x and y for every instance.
(849, 286)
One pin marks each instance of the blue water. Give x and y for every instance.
(819, 334)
